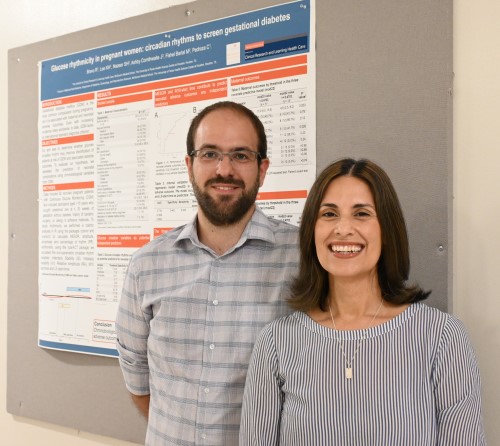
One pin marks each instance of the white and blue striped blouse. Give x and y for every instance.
(415, 382)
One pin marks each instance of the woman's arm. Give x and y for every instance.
(457, 389)
(262, 400)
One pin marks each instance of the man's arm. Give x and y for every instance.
(132, 331)
(142, 403)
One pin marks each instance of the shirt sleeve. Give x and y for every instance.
(132, 331)
(262, 399)
(457, 389)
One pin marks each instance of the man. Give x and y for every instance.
(195, 299)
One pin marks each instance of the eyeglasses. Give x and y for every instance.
(212, 156)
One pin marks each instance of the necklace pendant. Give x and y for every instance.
(348, 372)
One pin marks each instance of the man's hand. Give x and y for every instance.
(142, 403)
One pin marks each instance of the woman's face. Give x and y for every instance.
(347, 233)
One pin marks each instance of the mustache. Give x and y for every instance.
(225, 180)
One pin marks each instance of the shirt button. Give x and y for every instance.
(203, 436)
(206, 390)
(215, 302)
(211, 346)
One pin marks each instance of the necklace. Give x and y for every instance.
(348, 362)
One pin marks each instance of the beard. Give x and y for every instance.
(225, 211)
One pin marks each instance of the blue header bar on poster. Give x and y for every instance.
(259, 35)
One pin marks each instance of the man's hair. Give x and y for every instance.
(237, 108)
(310, 287)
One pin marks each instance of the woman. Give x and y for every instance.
(362, 361)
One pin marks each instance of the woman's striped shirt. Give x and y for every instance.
(415, 382)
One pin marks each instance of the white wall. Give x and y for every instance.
(477, 186)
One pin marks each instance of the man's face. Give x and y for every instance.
(226, 190)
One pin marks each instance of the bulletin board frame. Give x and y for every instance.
(384, 92)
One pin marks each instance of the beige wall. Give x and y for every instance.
(477, 190)
(476, 135)
(23, 22)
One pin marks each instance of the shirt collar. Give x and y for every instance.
(258, 228)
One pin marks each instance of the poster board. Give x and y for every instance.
(384, 79)
(112, 145)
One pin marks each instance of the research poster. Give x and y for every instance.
(112, 129)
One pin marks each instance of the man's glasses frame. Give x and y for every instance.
(238, 156)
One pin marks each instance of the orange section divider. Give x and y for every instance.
(68, 186)
(191, 93)
(67, 140)
(251, 46)
(122, 240)
(282, 195)
(267, 75)
(68, 100)
(125, 99)
(159, 231)
(208, 76)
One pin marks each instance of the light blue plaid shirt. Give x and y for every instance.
(188, 320)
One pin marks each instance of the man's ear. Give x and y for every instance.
(264, 165)
(189, 164)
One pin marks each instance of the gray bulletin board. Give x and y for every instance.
(384, 83)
